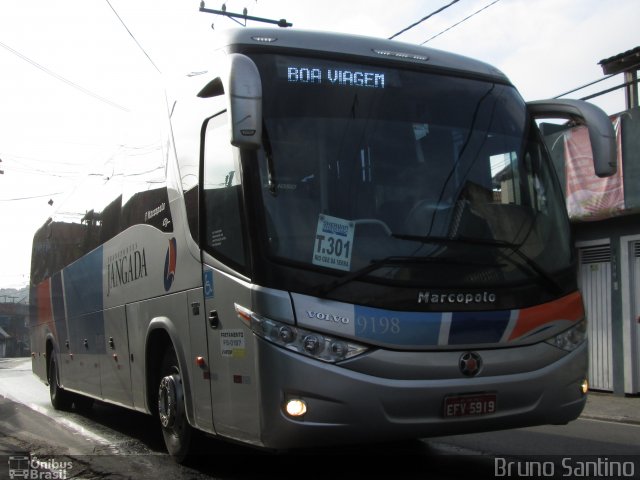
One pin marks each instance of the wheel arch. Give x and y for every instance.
(161, 335)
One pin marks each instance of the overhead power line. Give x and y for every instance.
(461, 21)
(132, 36)
(585, 85)
(63, 79)
(17, 158)
(30, 198)
(609, 90)
(18, 168)
(422, 19)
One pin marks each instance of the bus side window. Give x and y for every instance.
(222, 195)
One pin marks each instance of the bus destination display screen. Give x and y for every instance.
(335, 76)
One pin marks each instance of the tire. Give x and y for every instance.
(60, 399)
(175, 427)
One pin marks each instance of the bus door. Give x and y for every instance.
(231, 363)
(199, 370)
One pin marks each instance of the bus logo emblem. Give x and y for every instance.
(19, 466)
(170, 264)
(470, 364)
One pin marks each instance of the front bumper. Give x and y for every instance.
(347, 406)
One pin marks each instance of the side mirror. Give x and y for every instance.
(601, 133)
(245, 101)
(242, 85)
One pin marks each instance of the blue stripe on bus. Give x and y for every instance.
(83, 284)
(57, 304)
(397, 328)
(478, 327)
(84, 297)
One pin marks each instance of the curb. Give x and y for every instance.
(611, 418)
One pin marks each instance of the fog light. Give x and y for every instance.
(584, 386)
(296, 407)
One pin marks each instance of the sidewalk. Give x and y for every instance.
(612, 408)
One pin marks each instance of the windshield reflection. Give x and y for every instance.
(353, 176)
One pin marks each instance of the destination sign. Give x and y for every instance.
(335, 76)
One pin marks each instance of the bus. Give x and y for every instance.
(328, 239)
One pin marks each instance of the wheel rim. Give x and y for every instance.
(167, 401)
(171, 409)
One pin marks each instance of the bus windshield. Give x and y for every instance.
(365, 168)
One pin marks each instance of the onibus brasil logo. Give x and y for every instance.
(32, 467)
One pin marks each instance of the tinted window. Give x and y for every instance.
(222, 192)
(372, 163)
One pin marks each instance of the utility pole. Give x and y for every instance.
(233, 16)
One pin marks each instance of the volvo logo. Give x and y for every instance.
(470, 364)
(328, 317)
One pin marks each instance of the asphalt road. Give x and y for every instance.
(113, 443)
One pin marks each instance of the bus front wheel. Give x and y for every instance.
(171, 408)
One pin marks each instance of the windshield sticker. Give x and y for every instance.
(334, 243)
(333, 76)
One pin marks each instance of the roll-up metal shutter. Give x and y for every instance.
(595, 285)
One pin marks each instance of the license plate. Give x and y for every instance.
(470, 405)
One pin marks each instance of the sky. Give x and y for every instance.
(71, 70)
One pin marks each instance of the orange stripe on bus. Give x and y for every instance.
(43, 295)
(566, 308)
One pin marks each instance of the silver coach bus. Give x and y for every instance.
(333, 239)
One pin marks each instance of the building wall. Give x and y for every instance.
(613, 230)
(617, 231)
(13, 321)
(631, 157)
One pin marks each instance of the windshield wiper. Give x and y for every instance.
(455, 240)
(268, 151)
(545, 278)
(393, 261)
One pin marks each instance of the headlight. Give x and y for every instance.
(570, 339)
(312, 344)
